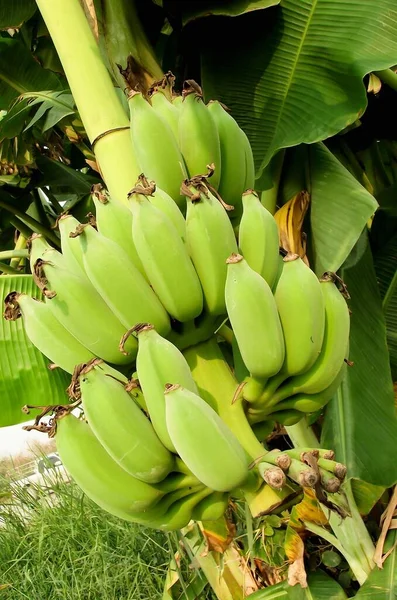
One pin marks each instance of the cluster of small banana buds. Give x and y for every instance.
(313, 468)
(183, 254)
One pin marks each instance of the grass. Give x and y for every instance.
(63, 546)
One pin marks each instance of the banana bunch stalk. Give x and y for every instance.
(143, 287)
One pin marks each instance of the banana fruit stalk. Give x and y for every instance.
(165, 258)
(234, 172)
(218, 387)
(203, 441)
(121, 427)
(253, 315)
(45, 331)
(114, 221)
(258, 238)
(300, 305)
(156, 147)
(80, 309)
(210, 240)
(159, 362)
(120, 284)
(198, 134)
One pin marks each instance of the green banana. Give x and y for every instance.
(158, 362)
(156, 147)
(45, 331)
(95, 471)
(210, 240)
(249, 162)
(120, 284)
(334, 349)
(114, 221)
(178, 514)
(308, 403)
(37, 246)
(177, 101)
(233, 174)
(198, 134)
(167, 110)
(173, 512)
(166, 204)
(71, 249)
(211, 508)
(253, 315)
(117, 492)
(122, 428)
(80, 309)
(165, 259)
(300, 305)
(286, 417)
(279, 271)
(258, 238)
(203, 441)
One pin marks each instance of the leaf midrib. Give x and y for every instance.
(48, 97)
(11, 84)
(390, 293)
(294, 65)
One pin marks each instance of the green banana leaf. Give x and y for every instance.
(194, 10)
(53, 107)
(386, 272)
(382, 583)
(320, 587)
(61, 178)
(21, 73)
(13, 14)
(366, 495)
(360, 422)
(298, 77)
(24, 376)
(340, 209)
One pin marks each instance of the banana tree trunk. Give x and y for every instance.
(101, 112)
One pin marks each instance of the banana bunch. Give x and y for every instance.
(177, 458)
(143, 288)
(116, 453)
(176, 137)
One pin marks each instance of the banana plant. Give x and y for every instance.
(312, 94)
